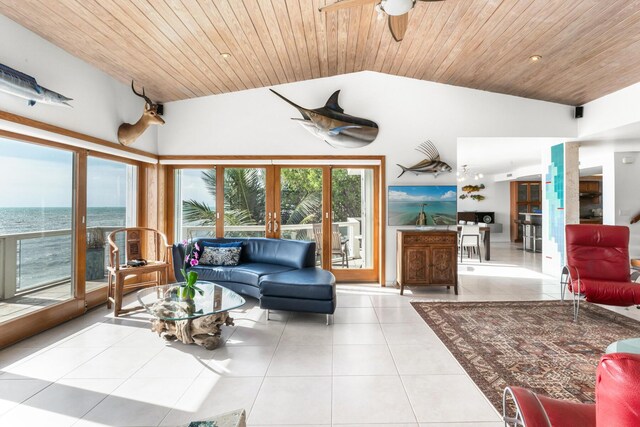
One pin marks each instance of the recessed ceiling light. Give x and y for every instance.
(535, 58)
(225, 55)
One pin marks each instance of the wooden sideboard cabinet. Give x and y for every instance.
(427, 258)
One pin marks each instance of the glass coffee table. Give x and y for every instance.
(631, 345)
(192, 321)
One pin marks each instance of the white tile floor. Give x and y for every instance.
(379, 364)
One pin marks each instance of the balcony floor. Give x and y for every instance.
(36, 300)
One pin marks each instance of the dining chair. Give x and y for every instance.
(470, 241)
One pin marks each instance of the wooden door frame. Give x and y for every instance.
(306, 161)
(369, 274)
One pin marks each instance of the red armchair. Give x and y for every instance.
(598, 266)
(617, 400)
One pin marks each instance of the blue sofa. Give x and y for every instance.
(280, 273)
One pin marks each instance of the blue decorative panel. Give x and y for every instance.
(555, 199)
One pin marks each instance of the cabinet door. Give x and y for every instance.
(443, 264)
(416, 265)
(523, 192)
(534, 192)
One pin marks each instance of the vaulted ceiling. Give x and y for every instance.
(175, 47)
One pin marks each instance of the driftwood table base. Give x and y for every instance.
(205, 331)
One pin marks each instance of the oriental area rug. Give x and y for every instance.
(531, 344)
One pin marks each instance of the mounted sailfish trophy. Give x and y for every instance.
(332, 125)
(128, 133)
(431, 165)
(24, 86)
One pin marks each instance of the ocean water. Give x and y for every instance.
(438, 213)
(48, 259)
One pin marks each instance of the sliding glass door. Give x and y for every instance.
(299, 198)
(111, 204)
(245, 198)
(36, 228)
(336, 207)
(195, 209)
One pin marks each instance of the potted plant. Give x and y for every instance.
(187, 289)
(95, 254)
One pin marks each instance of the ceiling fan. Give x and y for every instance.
(397, 10)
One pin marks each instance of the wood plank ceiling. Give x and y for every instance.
(174, 47)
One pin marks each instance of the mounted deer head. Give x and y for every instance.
(128, 133)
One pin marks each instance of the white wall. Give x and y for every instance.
(408, 111)
(497, 200)
(611, 111)
(620, 199)
(627, 200)
(100, 103)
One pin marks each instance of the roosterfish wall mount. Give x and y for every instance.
(431, 165)
(333, 126)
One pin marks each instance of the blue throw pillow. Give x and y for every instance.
(222, 245)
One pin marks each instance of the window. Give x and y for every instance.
(111, 204)
(36, 227)
(195, 210)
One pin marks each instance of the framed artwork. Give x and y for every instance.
(422, 205)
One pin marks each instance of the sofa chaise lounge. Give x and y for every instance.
(280, 273)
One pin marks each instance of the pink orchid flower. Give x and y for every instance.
(194, 262)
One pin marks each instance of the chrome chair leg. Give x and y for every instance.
(515, 420)
(268, 313)
(564, 281)
(329, 319)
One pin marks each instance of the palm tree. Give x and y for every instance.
(244, 200)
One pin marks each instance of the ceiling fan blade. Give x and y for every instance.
(398, 26)
(344, 4)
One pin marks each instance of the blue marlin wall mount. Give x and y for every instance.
(24, 86)
(333, 126)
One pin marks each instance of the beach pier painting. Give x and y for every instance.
(422, 205)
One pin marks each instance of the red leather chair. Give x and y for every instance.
(617, 400)
(598, 266)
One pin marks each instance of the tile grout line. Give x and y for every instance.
(270, 360)
(395, 365)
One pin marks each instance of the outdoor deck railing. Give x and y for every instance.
(349, 229)
(15, 267)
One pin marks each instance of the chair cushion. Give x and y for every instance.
(618, 390)
(598, 252)
(610, 293)
(567, 413)
(248, 273)
(306, 283)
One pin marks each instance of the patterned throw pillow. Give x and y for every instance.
(220, 256)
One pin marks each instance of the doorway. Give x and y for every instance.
(337, 207)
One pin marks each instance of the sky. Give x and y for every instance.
(422, 193)
(192, 187)
(36, 176)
